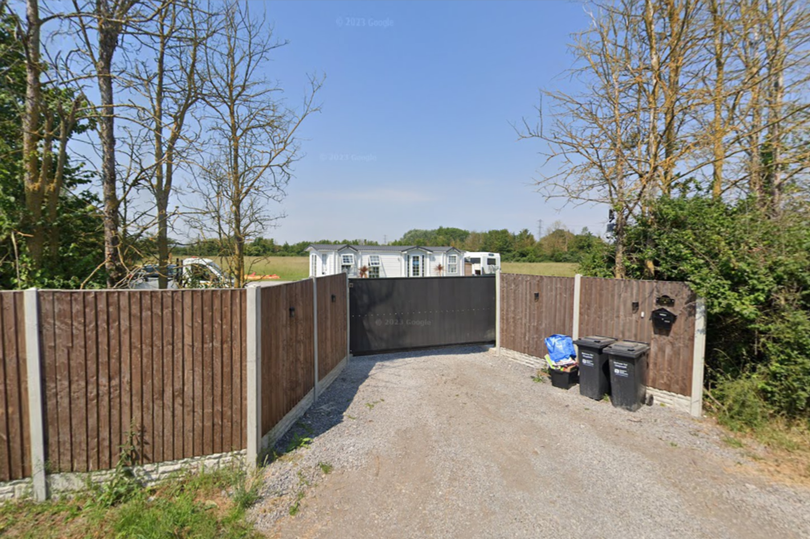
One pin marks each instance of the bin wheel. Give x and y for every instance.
(650, 399)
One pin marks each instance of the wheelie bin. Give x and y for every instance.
(594, 368)
(628, 373)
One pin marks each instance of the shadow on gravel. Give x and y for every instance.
(328, 411)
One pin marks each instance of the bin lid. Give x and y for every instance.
(595, 341)
(631, 349)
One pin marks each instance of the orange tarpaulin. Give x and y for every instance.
(254, 277)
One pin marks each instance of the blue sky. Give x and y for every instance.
(415, 129)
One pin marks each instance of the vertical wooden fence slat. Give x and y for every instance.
(15, 457)
(236, 374)
(114, 388)
(216, 373)
(188, 373)
(51, 404)
(105, 453)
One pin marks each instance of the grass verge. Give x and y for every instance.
(552, 269)
(780, 448)
(206, 504)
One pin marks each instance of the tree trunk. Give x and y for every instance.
(774, 137)
(619, 271)
(718, 129)
(34, 191)
(54, 189)
(108, 33)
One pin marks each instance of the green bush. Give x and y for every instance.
(742, 405)
(753, 269)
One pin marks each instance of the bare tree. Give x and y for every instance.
(253, 132)
(595, 137)
(166, 84)
(100, 27)
(679, 91)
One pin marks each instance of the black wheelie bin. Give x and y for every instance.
(628, 373)
(594, 368)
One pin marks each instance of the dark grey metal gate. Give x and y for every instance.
(407, 313)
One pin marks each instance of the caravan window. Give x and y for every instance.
(475, 260)
(452, 264)
(490, 261)
(374, 266)
(346, 263)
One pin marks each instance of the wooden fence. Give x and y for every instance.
(166, 366)
(622, 308)
(288, 349)
(288, 315)
(332, 323)
(15, 452)
(166, 370)
(534, 307)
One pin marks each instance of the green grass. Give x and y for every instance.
(552, 269)
(208, 504)
(288, 268)
(297, 442)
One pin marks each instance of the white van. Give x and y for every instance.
(193, 272)
(481, 263)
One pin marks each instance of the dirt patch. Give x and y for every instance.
(462, 443)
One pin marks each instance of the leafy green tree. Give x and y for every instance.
(73, 223)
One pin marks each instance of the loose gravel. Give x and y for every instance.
(461, 443)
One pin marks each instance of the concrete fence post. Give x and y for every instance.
(577, 301)
(33, 356)
(315, 334)
(698, 358)
(254, 375)
(498, 311)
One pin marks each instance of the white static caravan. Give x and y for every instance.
(481, 263)
(385, 260)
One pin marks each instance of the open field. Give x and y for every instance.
(288, 268)
(552, 269)
(293, 268)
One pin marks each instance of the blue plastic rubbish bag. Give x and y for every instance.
(560, 348)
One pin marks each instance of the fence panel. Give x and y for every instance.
(15, 449)
(621, 309)
(168, 366)
(532, 308)
(287, 349)
(331, 323)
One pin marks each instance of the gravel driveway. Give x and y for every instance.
(461, 443)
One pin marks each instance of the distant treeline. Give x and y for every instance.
(558, 245)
